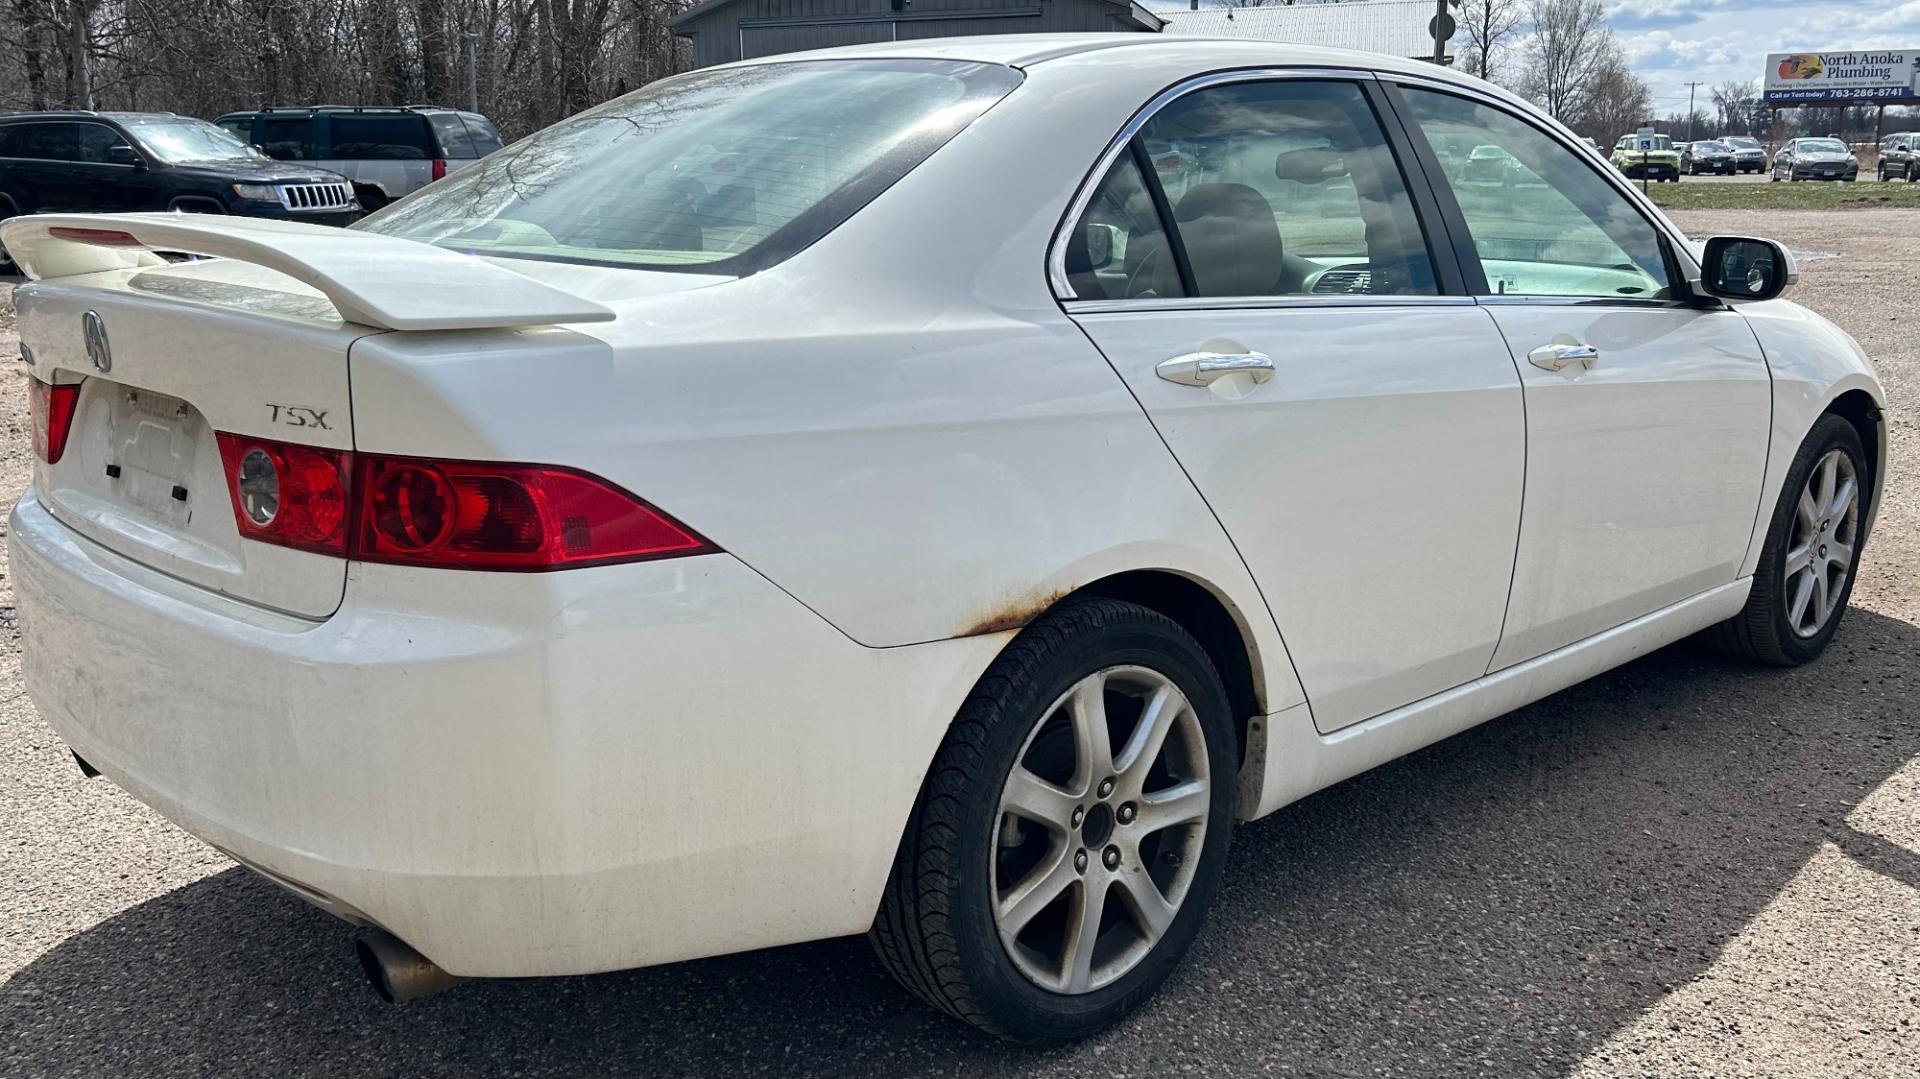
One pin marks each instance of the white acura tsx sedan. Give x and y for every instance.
(931, 490)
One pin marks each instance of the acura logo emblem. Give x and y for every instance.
(95, 330)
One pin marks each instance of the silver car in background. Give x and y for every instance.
(387, 152)
(1748, 154)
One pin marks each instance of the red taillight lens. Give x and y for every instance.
(453, 514)
(295, 496)
(439, 169)
(52, 408)
(479, 515)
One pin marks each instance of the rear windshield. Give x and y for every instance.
(723, 171)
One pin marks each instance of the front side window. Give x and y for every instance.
(724, 171)
(92, 141)
(1547, 224)
(1287, 188)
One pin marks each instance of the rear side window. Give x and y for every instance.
(287, 138)
(1119, 250)
(485, 138)
(44, 142)
(401, 137)
(452, 136)
(727, 170)
(1287, 188)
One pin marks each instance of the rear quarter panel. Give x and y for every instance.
(898, 426)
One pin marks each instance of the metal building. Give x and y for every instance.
(724, 30)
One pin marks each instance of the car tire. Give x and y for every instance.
(947, 930)
(1775, 627)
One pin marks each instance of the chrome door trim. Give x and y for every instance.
(1682, 250)
(1246, 303)
(1057, 253)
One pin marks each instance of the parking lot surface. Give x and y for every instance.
(1685, 867)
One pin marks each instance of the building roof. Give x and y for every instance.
(1394, 27)
(1145, 19)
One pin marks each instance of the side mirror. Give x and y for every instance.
(1741, 269)
(122, 154)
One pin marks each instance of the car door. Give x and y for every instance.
(1252, 264)
(1647, 409)
(118, 186)
(40, 168)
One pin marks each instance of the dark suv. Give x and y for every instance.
(387, 151)
(1900, 157)
(112, 162)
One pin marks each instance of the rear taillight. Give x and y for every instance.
(295, 496)
(439, 169)
(52, 410)
(480, 515)
(450, 514)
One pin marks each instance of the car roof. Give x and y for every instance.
(297, 110)
(82, 114)
(1028, 50)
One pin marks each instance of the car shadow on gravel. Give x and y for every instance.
(1497, 904)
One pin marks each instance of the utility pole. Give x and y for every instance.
(1440, 20)
(1690, 89)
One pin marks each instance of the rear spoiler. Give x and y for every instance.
(381, 281)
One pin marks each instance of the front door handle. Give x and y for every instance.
(1202, 368)
(1561, 355)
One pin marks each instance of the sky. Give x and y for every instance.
(1673, 42)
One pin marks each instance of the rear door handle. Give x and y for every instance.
(1201, 368)
(1560, 355)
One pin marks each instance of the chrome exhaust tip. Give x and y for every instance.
(396, 971)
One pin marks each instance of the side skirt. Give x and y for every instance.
(1288, 759)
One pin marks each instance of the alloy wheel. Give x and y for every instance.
(1824, 540)
(1100, 829)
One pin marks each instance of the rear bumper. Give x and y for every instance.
(517, 774)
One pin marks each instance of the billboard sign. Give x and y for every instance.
(1859, 77)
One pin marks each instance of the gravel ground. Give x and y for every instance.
(1682, 868)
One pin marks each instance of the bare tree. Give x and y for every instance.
(1738, 108)
(525, 63)
(1490, 27)
(1618, 101)
(1571, 46)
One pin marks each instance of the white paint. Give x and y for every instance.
(898, 435)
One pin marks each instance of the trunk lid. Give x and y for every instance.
(142, 474)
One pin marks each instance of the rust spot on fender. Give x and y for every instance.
(1014, 615)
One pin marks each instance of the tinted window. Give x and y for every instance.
(1546, 224)
(288, 138)
(45, 142)
(452, 135)
(90, 142)
(480, 129)
(401, 137)
(1118, 251)
(240, 127)
(1285, 189)
(697, 170)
